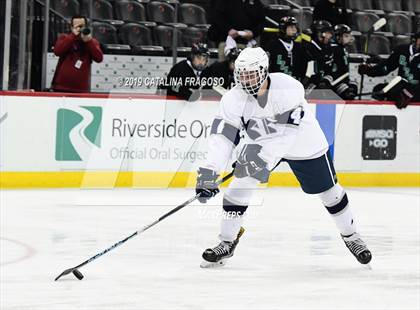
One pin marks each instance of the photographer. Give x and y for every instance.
(76, 51)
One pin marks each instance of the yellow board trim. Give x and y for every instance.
(108, 179)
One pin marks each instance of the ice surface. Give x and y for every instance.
(290, 257)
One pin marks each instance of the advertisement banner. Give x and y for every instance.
(140, 140)
(379, 141)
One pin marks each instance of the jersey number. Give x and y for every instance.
(295, 116)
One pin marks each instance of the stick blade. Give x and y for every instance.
(65, 272)
(379, 24)
(221, 90)
(391, 84)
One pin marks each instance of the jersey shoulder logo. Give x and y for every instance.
(259, 127)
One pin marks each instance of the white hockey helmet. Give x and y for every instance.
(251, 69)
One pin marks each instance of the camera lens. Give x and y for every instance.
(86, 31)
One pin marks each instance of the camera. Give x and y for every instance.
(86, 31)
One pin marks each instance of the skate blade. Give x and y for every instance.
(206, 264)
(367, 266)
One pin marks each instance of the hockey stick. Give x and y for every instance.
(391, 84)
(387, 88)
(272, 21)
(272, 30)
(220, 89)
(311, 87)
(375, 27)
(339, 79)
(79, 275)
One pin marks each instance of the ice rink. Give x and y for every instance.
(290, 257)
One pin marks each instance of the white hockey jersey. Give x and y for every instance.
(282, 125)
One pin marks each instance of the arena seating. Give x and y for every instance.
(161, 12)
(67, 8)
(130, 10)
(101, 9)
(398, 23)
(148, 24)
(192, 14)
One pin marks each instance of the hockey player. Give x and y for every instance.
(320, 51)
(287, 56)
(182, 78)
(343, 37)
(406, 58)
(279, 127)
(224, 69)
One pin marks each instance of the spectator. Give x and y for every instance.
(333, 11)
(343, 37)
(286, 55)
(183, 80)
(406, 58)
(242, 20)
(224, 69)
(76, 51)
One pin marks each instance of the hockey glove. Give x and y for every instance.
(346, 91)
(325, 82)
(250, 164)
(404, 99)
(206, 184)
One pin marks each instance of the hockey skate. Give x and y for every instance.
(358, 248)
(217, 256)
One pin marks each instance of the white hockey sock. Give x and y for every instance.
(345, 221)
(229, 227)
(336, 202)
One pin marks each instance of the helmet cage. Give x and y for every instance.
(250, 80)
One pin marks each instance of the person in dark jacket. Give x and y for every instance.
(243, 20)
(406, 58)
(341, 65)
(333, 11)
(224, 69)
(184, 79)
(76, 50)
(286, 55)
(319, 50)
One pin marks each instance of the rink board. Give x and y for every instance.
(106, 141)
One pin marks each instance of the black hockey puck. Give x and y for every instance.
(78, 274)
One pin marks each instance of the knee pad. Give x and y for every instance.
(334, 199)
(240, 191)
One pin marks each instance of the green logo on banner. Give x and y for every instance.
(75, 129)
